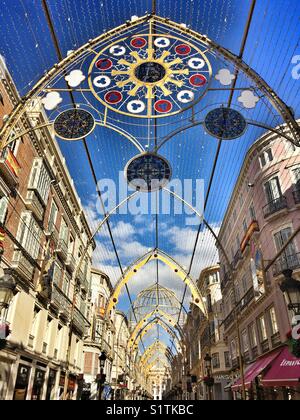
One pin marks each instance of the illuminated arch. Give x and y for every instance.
(142, 324)
(156, 313)
(157, 346)
(163, 324)
(155, 255)
(80, 54)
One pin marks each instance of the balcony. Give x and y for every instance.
(22, 265)
(33, 204)
(70, 262)
(229, 320)
(275, 206)
(247, 299)
(79, 321)
(237, 259)
(285, 262)
(62, 249)
(9, 168)
(61, 302)
(296, 194)
(225, 281)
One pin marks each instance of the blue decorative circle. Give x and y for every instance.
(225, 123)
(148, 172)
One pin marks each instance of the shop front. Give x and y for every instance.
(275, 376)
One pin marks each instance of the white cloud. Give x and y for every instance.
(52, 100)
(225, 77)
(75, 78)
(248, 99)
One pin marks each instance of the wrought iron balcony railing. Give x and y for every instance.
(285, 262)
(275, 206)
(296, 194)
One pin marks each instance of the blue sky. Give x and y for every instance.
(272, 43)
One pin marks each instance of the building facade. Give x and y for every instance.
(205, 336)
(100, 338)
(44, 233)
(262, 215)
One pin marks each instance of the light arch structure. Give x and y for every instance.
(156, 314)
(157, 346)
(75, 57)
(150, 325)
(157, 255)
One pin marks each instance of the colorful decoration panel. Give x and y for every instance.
(150, 76)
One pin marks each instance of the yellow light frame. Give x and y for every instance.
(155, 255)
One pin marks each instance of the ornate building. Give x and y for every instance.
(44, 233)
(262, 215)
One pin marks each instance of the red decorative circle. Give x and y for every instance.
(104, 64)
(183, 49)
(113, 97)
(163, 106)
(198, 80)
(138, 42)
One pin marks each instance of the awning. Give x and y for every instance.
(255, 369)
(285, 371)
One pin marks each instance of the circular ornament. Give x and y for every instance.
(74, 124)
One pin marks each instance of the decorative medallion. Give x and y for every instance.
(74, 124)
(148, 172)
(148, 75)
(225, 123)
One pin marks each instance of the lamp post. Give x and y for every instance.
(102, 359)
(291, 290)
(210, 379)
(7, 290)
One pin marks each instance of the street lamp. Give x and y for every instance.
(209, 380)
(291, 290)
(102, 359)
(7, 289)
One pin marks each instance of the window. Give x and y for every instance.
(71, 244)
(245, 284)
(3, 209)
(57, 274)
(273, 190)
(280, 240)
(233, 349)
(245, 226)
(64, 231)
(252, 335)
(216, 361)
(238, 243)
(237, 292)
(266, 157)
(245, 341)
(241, 200)
(227, 359)
(29, 234)
(52, 217)
(66, 284)
(252, 212)
(273, 321)
(40, 179)
(234, 216)
(262, 328)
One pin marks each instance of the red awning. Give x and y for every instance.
(255, 369)
(285, 371)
